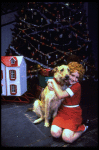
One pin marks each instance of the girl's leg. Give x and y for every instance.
(56, 131)
(70, 136)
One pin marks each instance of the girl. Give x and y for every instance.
(69, 117)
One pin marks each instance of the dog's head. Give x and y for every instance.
(61, 73)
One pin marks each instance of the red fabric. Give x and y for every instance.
(70, 118)
(75, 99)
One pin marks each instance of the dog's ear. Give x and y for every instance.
(55, 69)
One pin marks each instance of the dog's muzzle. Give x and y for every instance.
(66, 77)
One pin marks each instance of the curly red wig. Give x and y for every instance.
(76, 66)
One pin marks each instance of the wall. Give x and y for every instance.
(7, 22)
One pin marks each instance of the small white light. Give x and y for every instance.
(67, 4)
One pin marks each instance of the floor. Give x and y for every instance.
(18, 130)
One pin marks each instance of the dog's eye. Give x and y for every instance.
(62, 70)
(68, 70)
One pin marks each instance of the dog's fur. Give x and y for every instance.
(49, 101)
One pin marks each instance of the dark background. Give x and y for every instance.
(17, 128)
(93, 29)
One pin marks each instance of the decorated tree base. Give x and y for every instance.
(25, 98)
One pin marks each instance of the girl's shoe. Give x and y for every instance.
(86, 124)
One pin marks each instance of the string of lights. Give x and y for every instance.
(50, 32)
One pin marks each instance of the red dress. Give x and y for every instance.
(70, 118)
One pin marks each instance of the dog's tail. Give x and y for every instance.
(29, 109)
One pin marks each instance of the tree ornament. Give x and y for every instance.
(22, 11)
(32, 38)
(48, 56)
(56, 38)
(86, 68)
(23, 31)
(41, 36)
(46, 10)
(53, 15)
(52, 63)
(20, 23)
(35, 13)
(47, 61)
(76, 35)
(41, 56)
(70, 35)
(80, 23)
(29, 48)
(38, 66)
(41, 19)
(65, 61)
(54, 47)
(50, 20)
(28, 4)
(56, 56)
(67, 4)
(38, 46)
(36, 51)
(32, 53)
(62, 57)
(49, 5)
(43, 43)
(51, 44)
(83, 56)
(61, 35)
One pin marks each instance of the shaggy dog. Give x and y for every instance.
(49, 102)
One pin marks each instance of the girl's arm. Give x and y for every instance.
(61, 94)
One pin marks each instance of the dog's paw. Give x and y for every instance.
(35, 121)
(38, 120)
(46, 124)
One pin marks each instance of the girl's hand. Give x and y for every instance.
(50, 80)
(50, 84)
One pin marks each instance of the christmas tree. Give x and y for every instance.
(49, 34)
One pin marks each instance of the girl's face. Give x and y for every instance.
(73, 77)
